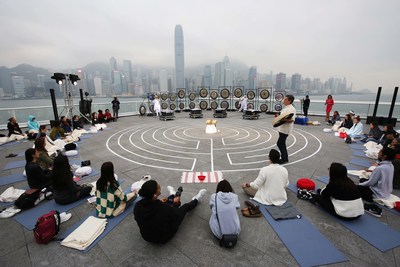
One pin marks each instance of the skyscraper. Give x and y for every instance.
(113, 67)
(207, 76)
(280, 81)
(296, 84)
(219, 75)
(179, 57)
(228, 75)
(252, 77)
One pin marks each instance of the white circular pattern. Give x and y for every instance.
(232, 149)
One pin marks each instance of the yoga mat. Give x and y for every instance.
(85, 136)
(324, 179)
(357, 146)
(28, 217)
(307, 245)
(111, 223)
(371, 230)
(360, 162)
(284, 212)
(358, 153)
(14, 165)
(12, 178)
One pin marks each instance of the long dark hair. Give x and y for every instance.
(40, 144)
(107, 177)
(224, 186)
(61, 172)
(338, 175)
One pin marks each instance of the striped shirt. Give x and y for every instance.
(107, 202)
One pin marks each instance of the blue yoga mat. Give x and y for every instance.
(324, 179)
(12, 178)
(357, 146)
(371, 230)
(28, 217)
(85, 136)
(360, 162)
(307, 245)
(358, 153)
(111, 223)
(14, 165)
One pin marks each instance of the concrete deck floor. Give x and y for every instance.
(145, 145)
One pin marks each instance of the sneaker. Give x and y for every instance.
(65, 217)
(200, 195)
(171, 190)
(373, 210)
(146, 178)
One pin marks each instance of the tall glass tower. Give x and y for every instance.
(179, 57)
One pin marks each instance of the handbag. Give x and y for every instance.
(228, 241)
(85, 163)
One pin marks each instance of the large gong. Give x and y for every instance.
(142, 110)
(238, 92)
(224, 104)
(203, 92)
(203, 105)
(279, 97)
(237, 104)
(251, 95)
(181, 94)
(263, 107)
(214, 105)
(151, 108)
(172, 106)
(192, 105)
(164, 105)
(164, 96)
(172, 97)
(181, 106)
(192, 96)
(250, 106)
(264, 94)
(278, 107)
(225, 93)
(213, 94)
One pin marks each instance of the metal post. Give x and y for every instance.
(378, 96)
(393, 102)
(54, 104)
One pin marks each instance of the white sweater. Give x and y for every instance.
(270, 184)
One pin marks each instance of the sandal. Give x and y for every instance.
(252, 205)
(249, 212)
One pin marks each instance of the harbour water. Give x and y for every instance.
(361, 104)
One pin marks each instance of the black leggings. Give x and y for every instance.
(182, 210)
(327, 204)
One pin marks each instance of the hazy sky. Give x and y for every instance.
(356, 39)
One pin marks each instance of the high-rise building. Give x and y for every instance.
(295, 85)
(163, 80)
(40, 82)
(219, 75)
(252, 77)
(228, 74)
(280, 83)
(207, 76)
(117, 85)
(18, 83)
(113, 67)
(97, 85)
(5, 81)
(127, 69)
(179, 57)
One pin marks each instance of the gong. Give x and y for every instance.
(164, 96)
(164, 105)
(172, 106)
(203, 92)
(264, 94)
(181, 94)
(192, 105)
(278, 107)
(279, 97)
(237, 92)
(224, 104)
(214, 105)
(251, 95)
(213, 94)
(225, 93)
(192, 96)
(263, 107)
(203, 105)
(181, 105)
(172, 97)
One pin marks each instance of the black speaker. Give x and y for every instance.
(85, 107)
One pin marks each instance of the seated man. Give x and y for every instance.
(108, 116)
(269, 187)
(380, 183)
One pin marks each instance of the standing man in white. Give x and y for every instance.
(157, 107)
(286, 128)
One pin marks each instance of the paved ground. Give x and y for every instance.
(145, 145)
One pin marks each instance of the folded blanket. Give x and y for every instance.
(388, 202)
(361, 173)
(286, 211)
(11, 194)
(85, 234)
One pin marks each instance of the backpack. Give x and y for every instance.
(47, 227)
(27, 199)
(70, 146)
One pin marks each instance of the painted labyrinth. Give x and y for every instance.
(191, 149)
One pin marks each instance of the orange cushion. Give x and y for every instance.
(305, 183)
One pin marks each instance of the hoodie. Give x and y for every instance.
(227, 203)
(32, 123)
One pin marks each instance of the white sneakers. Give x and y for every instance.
(65, 217)
(9, 212)
(171, 190)
(200, 195)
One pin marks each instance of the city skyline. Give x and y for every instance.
(353, 39)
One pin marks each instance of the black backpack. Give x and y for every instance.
(27, 199)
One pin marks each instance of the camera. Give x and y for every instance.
(179, 192)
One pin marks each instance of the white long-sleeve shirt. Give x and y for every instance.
(270, 184)
(286, 128)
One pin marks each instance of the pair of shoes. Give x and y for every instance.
(200, 195)
(9, 212)
(65, 217)
(250, 212)
(304, 194)
(373, 209)
(145, 178)
(251, 205)
(171, 190)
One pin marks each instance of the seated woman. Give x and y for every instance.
(13, 129)
(65, 125)
(65, 189)
(374, 133)
(108, 116)
(56, 131)
(340, 197)
(76, 124)
(347, 122)
(225, 202)
(159, 221)
(110, 199)
(388, 135)
(95, 119)
(45, 161)
(36, 176)
(335, 118)
(356, 131)
(101, 117)
(33, 125)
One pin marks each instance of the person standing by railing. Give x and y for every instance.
(329, 104)
(115, 107)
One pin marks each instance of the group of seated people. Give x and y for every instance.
(100, 117)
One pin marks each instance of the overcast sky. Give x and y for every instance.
(356, 39)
